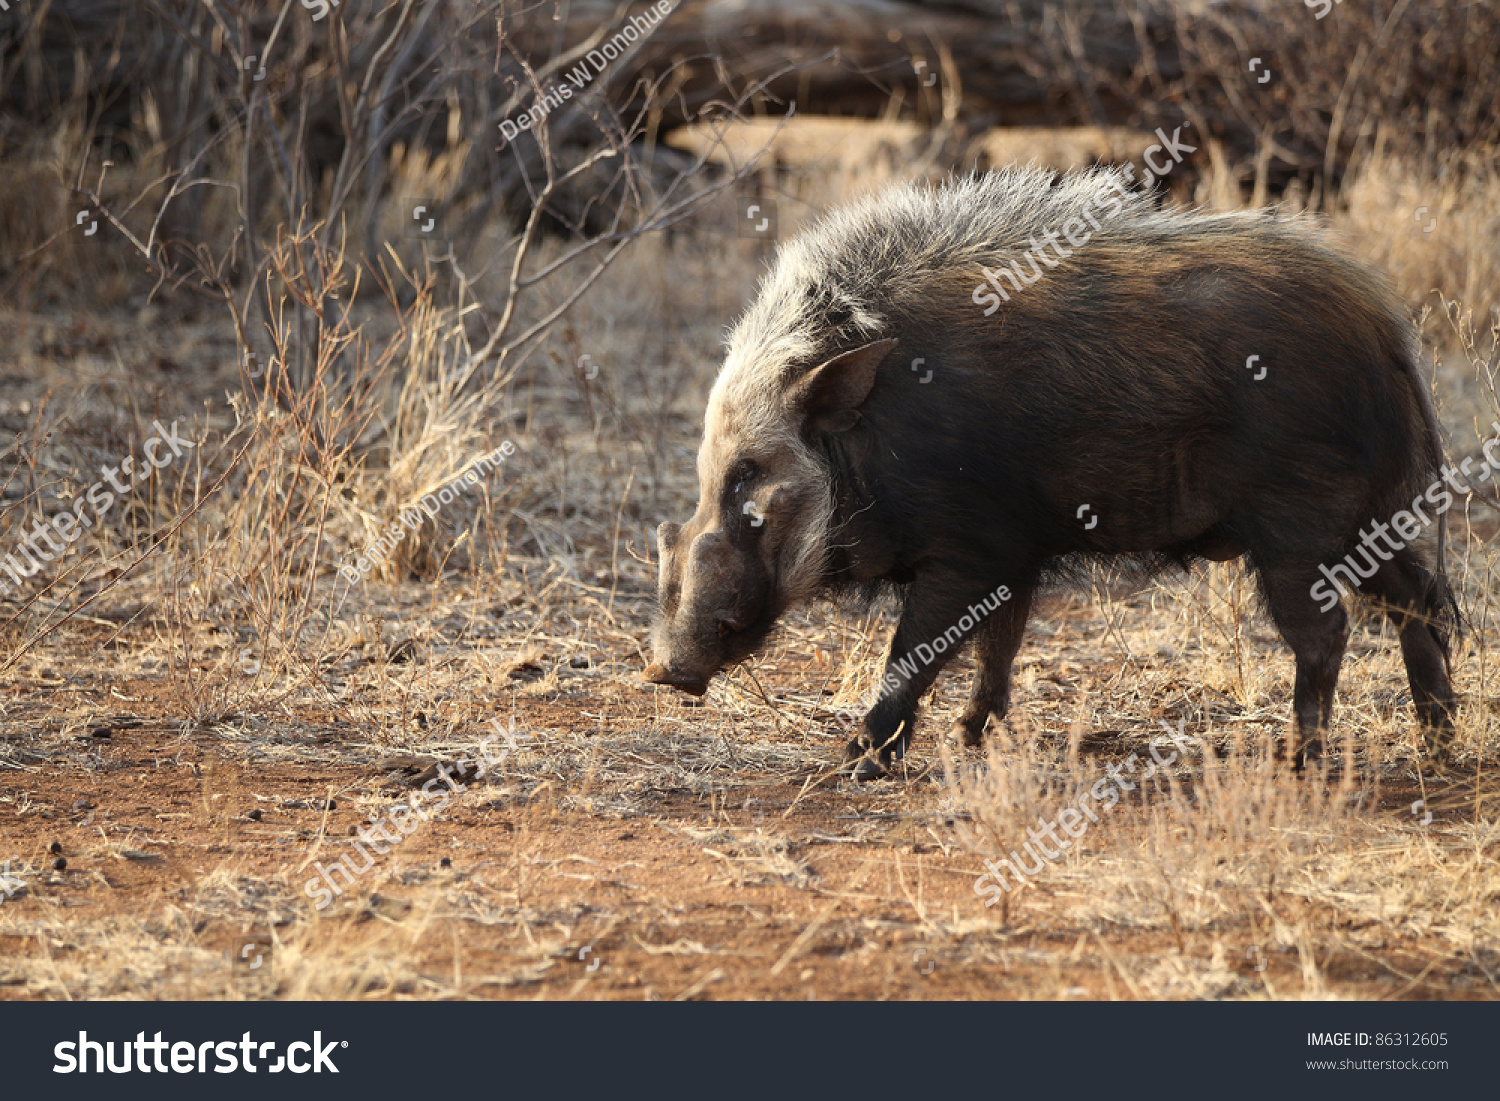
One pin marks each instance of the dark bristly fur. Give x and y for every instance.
(1116, 381)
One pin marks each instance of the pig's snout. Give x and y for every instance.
(657, 673)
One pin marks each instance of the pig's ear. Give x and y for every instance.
(829, 394)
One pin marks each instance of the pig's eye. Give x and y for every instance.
(725, 629)
(744, 473)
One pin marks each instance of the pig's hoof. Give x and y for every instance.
(863, 763)
(1437, 745)
(866, 768)
(970, 732)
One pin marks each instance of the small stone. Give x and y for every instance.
(445, 862)
(254, 815)
(60, 864)
(55, 848)
(578, 662)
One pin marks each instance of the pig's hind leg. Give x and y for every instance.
(1317, 640)
(1422, 612)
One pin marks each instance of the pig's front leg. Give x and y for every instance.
(939, 614)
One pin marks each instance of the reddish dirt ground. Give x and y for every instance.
(737, 880)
